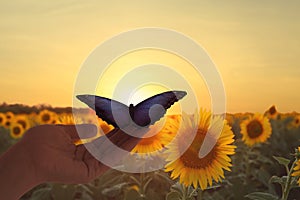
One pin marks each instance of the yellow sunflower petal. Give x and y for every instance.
(256, 129)
(192, 170)
(297, 170)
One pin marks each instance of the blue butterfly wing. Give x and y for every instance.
(111, 111)
(152, 109)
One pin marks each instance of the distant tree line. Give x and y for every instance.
(25, 109)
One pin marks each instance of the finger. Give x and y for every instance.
(79, 152)
(118, 138)
(96, 168)
(107, 148)
(77, 172)
(85, 131)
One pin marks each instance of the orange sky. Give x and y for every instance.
(255, 45)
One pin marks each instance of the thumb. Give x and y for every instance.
(80, 131)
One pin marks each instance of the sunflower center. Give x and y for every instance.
(190, 157)
(254, 129)
(45, 117)
(7, 123)
(23, 123)
(16, 130)
(272, 110)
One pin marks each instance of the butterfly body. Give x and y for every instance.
(143, 114)
(131, 111)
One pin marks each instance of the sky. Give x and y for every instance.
(254, 44)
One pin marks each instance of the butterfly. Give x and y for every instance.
(143, 114)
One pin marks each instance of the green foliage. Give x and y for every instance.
(5, 140)
(41, 194)
(283, 161)
(261, 196)
(260, 172)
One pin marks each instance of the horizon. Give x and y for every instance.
(254, 44)
(5, 104)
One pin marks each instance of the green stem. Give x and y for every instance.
(287, 186)
(200, 195)
(184, 192)
(192, 193)
(142, 178)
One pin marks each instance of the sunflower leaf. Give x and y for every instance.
(276, 179)
(282, 161)
(60, 191)
(164, 176)
(135, 180)
(261, 196)
(84, 188)
(114, 190)
(177, 187)
(147, 183)
(43, 193)
(294, 182)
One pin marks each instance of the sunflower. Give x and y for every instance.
(230, 119)
(157, 138)
(186, 163)
(296, 122)
(23, 120)
(297, 168)
(65, 118)
(46, 117)
(256, 129)
(9, 117)
(272, 113)
(90, 118)
(105, 127)
(2, 119)
(16, 130)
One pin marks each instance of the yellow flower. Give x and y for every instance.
(256, 129)
(23, 120)
(157, 138)
(297, 169)
(2, 119)
(16, 130)
(134, 187)
(9, 117)
(296, 122)
(89, 117)
(47, 117)
(65, 118)
(272, 113)
(186, 164)
(105, 127)
(230, 119)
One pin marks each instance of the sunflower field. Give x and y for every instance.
(256, 156)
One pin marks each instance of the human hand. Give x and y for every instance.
(54, 156)
(47, 153)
